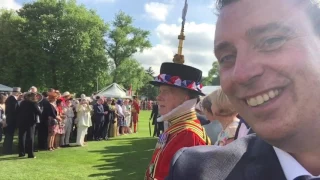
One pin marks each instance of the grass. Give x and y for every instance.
(121, 158)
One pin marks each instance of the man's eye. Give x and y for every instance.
(272, 44)
(227, 59)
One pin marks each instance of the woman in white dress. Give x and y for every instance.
(127, 116)
(83, 120)
(120, 117)
(68, 111)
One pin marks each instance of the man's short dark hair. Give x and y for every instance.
(222, 3)
(45, 94)
(313, 10)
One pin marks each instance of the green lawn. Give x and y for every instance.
(121, 158)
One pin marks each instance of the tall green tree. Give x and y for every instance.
(213, 76)
(61, 46)
(150, 71)
(124, 40)
(131, 73)
(11, 47)
(149, 90)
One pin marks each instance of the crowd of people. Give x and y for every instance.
(267, 107)
(53, 118)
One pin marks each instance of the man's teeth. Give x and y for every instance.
(261, 99)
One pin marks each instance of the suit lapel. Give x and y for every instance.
(263, 162)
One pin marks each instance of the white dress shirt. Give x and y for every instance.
(290, 166)
(243, 130)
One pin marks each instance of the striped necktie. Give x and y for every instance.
(306, 177)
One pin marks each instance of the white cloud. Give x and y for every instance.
(198, 46)
(10, 4)
(157, 11)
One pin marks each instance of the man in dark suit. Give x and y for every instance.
(43, 125)
(158, 126)
(28, 113)
(107, 118)
(98, 113)
(11, 115)
(269, 69)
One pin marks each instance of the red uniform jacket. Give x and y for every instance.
(135, 111)
(184, 133)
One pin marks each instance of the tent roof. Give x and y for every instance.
(114, 91)
(5, 88)
(209, 89)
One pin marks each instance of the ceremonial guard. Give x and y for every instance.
(135, 110)
(179, 89)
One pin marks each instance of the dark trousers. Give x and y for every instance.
(8, 140)
(105, 129)
(26, 140)
(90, 133)
(98, 128)
(42, 136)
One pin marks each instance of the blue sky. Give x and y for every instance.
(162, 18)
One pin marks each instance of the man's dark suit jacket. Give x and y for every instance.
(46, 110)
(248, 158)
(27, 113)
(98, 112)
(12, 106)
(107, 117)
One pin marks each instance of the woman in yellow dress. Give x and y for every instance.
(113, 129)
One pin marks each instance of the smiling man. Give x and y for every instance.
(269, 56)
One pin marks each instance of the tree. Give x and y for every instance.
(130, 73)
(61, 45)
(213, 75)
(11, 47)
(150, 71)
(124, 40)
(149, 90)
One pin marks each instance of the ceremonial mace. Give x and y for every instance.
(179, 58)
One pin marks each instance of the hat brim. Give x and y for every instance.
(156, 83)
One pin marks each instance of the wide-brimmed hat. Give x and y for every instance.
(180, 76)
(83, 96)
(66, 94)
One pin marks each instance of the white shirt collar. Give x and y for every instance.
(290, 166)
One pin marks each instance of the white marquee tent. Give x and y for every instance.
(114, 91)
(209, 89)
(4, 88)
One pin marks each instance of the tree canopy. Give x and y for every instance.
(60, 44)
(213, 75)
(124, 40)
(52, 43)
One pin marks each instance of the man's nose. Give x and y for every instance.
(247, 68)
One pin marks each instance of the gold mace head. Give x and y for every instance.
(179, 59)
